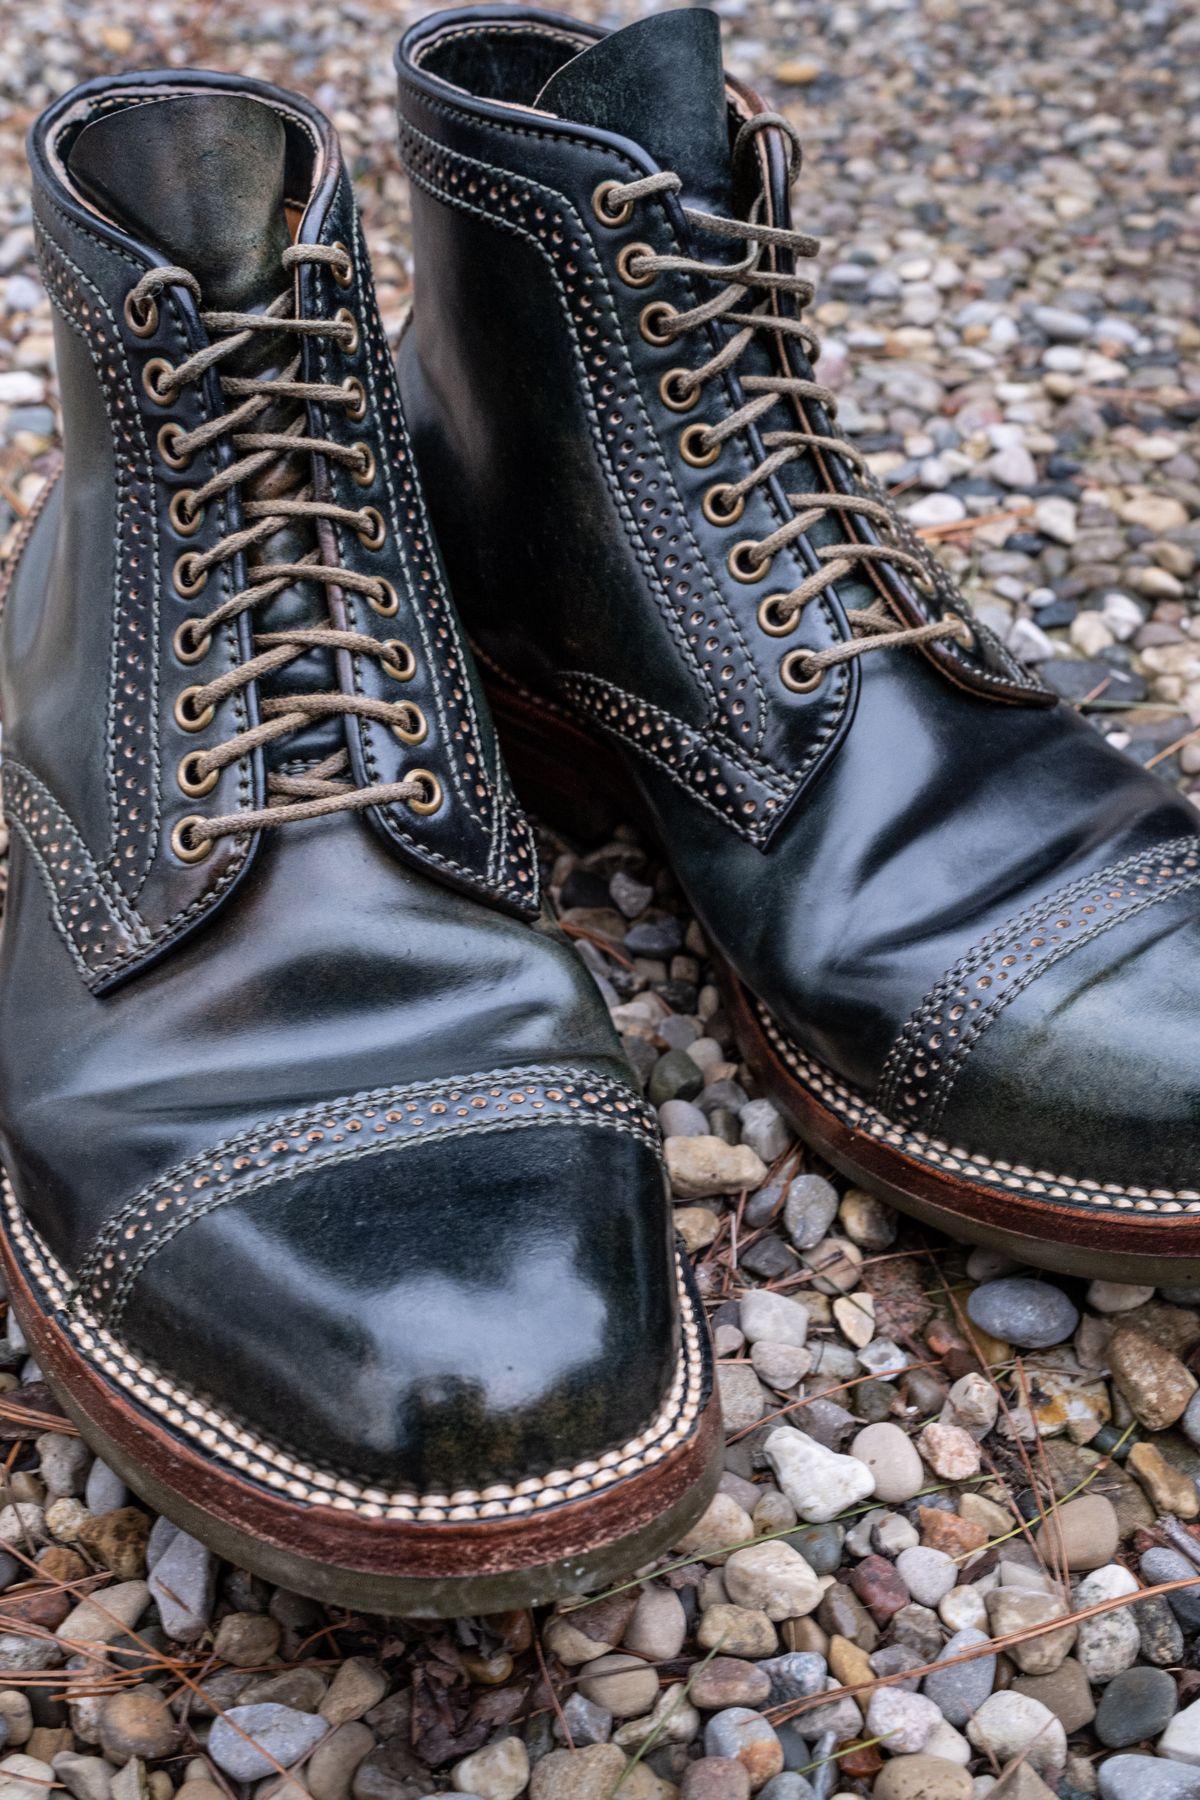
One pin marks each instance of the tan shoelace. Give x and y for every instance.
(261, 461)
(875, 627)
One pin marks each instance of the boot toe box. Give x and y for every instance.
(1092, 1070)
(491, 1302)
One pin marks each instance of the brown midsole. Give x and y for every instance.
(544, 747)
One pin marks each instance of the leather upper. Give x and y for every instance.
(332, 1128)
(855, 852)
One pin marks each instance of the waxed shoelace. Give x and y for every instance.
(734, 304)
(324, 787)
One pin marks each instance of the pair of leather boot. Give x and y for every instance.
(331, 1208)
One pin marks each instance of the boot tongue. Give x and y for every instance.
(660, 82)
(201, 177)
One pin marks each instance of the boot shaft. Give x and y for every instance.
(559, 388)
(174, 213)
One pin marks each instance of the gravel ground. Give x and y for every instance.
(933, 1456)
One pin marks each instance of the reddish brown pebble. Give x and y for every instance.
(47, 1607)
(946, 1531)
(859, 1762)
(728, 1681)
(879, 1587)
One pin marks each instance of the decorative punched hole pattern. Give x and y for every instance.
(98, 930)
(133, 765)
(937, 1154)
(930, 1051)
(133, 1235)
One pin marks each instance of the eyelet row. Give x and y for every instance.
(189, 577)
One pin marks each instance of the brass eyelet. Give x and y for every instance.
(372, 531)
(625, 259)
(190, 853)
(401, 665)
(364, 472)
(667, 390)
(145, 323)
(184, 519)
(963, 635)
(187, 584)
(168, 436)
(186, 718)
(620, 214)
(657, 309)
(715, 513)
(187, 647)
(168, 392)
(689, 447)
(356, 398)
(387, 605)
(747, 563)
(343, 316)
(767, 620)
(433, 791)
(797, 683)
(343, 273)
(190, 782)
(417, 731)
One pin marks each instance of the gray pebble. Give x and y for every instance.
(1190, 1422)
(182, 1582)
(1170, 1565)
(960, 1691)
(679, 1118)
(104, 1490)
(629, 896)
(586, 1722)
(787, 1786)
(1028, 1313)
(764, 1130)
(796, 1676)
(727, 1734)
(820, 1546)
(282, 1731)
(1137, 1704)
(809, 1210)
(1147, 1778)
(674, 1077)
(1161, 1638)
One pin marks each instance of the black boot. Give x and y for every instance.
(331, 1212)
(960, 932)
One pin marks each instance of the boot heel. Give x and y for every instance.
(565, 776)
